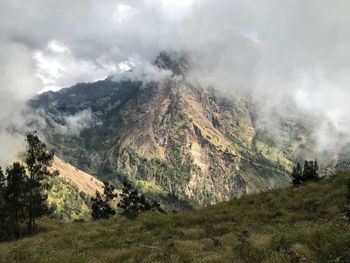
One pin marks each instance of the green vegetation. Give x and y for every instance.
(296, 224)
(347, 206)
(149, 187)
(101, 204)
(273, 154)
(23, 189)
(66, 203)
(132, 203)
(180, 165)
(89, 150)
(307, 173)
(171, 174)
(147, 134)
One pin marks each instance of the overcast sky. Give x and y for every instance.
(271, 48)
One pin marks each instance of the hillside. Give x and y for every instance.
(183, 139)
(71, 191)
(295, 224)
(83, 181)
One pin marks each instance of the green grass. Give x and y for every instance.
(296, 224)
(274, 155)
(149, 186)
(68, 205)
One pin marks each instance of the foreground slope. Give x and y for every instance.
(296, 224)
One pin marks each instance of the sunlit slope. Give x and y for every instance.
(83, 181)
(71, 191)
(296, 224)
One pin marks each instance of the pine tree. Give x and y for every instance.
(2, 180)
(2, 201)
(315, 175)
(133, 203)
(100, 205)
(2, 191)
(297, 174)
(299, 170)
(15, 197)
(306, 171)
(38, 161)
(310, 170)
(347, 205)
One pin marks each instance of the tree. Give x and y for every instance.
(310, 171)
(15, 195)
(2, 205)
(133, 203)
(2, 192)
(307, 173)
(13, 200)
(347, 206)
(315, 175)
(100, 205)
(2, 181)
(297, 174)
(38, 160)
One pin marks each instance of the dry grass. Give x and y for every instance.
(296, 224)
(83, 181)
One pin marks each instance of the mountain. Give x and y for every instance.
(294, 224)
(171, 137)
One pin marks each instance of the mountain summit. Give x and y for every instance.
(177, 62)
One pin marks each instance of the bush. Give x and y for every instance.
(100, 205)
(133, 203)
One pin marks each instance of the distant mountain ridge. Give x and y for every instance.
(173, 135)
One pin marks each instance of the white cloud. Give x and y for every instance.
(139, 70)
(18, 82)
(58, 68)
(123, 13)
(180, 3)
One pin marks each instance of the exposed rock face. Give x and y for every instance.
(186, 140)
(195, 144)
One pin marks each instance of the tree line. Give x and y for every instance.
(23, 187)
(131, 202)
(308, 172)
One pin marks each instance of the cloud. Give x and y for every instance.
(139, 70)
(18, 82)
(63, 123)
(276, 51)
(57, 67)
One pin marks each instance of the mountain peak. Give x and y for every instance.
(177, 62)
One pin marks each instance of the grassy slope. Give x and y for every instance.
(66, 195)
(66, 201)
(297, 224)
(83, 181)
